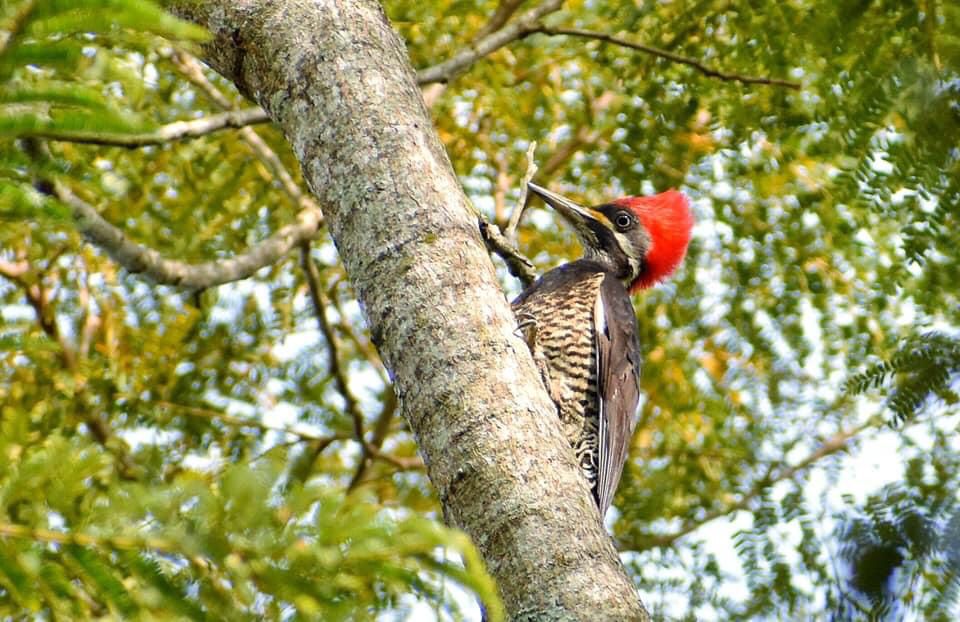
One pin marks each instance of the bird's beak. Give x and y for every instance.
(577, 215)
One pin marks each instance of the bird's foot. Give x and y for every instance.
(527, 328)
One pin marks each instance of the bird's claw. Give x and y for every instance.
(526, 328)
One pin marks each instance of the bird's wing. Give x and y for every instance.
(618, 380)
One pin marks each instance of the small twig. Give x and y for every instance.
(38, 297)
(667, 55)
(518, 265)
(352, 404)
(178, 130)
(511, 231)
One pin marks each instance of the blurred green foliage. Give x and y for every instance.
(171, 454)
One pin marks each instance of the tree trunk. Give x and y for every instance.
(336, 79)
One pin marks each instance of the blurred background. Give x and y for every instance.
(236, 450)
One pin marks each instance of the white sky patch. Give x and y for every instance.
(863, 236)
(17, 313)
(811, 220)
(294, 343)
(722, 191)
(880, 165)
(282, 415)
(137, 437)
(539, 218)
(212, 461)
(810, 321)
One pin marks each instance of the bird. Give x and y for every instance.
(581, 328)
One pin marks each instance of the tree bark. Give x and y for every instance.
(336, 79)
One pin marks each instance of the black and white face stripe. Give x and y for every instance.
(622, 243)
(611, 235)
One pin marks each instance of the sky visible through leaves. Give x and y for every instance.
(797, 452)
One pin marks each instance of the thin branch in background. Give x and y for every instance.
(667, 55)
(530, 22)
(339, 373)
(364, 347)
(461, 61)
(401, 462)
(139, 259)
(178, 130)
(511, 231)
(381, 426)
(505, 10)
(240, 422)
(836, 443)
(38, 297)
(352, 405)
(562, 154)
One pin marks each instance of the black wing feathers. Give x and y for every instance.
(618, 377)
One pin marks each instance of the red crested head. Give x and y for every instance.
(668, 221)
(640, 239)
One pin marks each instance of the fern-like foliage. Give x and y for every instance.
(53, 79)
(922, 367)
(897, 542)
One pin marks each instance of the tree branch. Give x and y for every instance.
(408, 239)
(139, 259)
(335, 369)
(460, 62)
(511, 231)
(178, 130)
(667, 55)
(371, 450)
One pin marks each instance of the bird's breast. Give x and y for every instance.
(563, 342)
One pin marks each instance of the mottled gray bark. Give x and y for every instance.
(336, 79)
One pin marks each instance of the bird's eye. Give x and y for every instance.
(623, 221)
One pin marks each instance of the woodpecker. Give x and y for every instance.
(581, 327)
